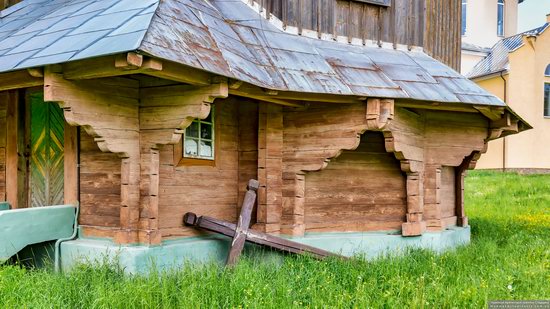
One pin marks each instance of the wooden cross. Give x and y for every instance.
(241, 233)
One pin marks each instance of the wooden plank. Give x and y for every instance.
(243, 223)
(277, 243)
(117, 65)
(12, 129)
(19, 79)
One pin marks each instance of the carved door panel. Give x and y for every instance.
(46, 160)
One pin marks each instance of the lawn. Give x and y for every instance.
(509, 258)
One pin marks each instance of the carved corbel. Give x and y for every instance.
(379, 113)
(165, 112)
(502, 126)
(106, 109)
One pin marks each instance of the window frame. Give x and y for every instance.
(501, 16)
(546, 102)
(179, 150)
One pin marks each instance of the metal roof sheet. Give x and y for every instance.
(225, 37)
(497, 57)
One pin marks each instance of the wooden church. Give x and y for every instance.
(350, 114)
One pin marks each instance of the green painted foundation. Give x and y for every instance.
(175, 253)
(22, 227)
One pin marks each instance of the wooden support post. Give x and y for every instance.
(243, 223)
(415, 224)
(71, 177)
(12, 151)
(460, 172)
(270, 161)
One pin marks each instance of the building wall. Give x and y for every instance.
(493, 158)
(525, 95)
(481, 28)
(99, 189)
(361, 190)
(481, 21)
(209, 190)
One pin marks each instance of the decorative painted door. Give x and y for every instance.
(46, 162)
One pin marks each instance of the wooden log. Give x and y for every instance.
(243, 223)
(266, 240)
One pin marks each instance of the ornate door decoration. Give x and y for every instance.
(47, 125)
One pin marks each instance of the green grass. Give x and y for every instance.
(509, 258)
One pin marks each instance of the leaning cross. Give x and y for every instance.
(241, 232)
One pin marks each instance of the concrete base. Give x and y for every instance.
(175, 253)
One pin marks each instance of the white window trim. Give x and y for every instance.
(212, 140)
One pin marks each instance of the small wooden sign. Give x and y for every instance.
(386, 3)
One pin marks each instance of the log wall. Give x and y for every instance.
(99, 189)
(361, 190)
(210, 190)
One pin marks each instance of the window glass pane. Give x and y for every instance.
(192, 130)
(464, 12)
(547, 71)
(500, 18)
(546, 100)
(206, 149)
(191, 147)
(206, 131)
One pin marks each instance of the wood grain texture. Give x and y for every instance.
(312, 137)
(361, 190)
(100, 186)
(208, 190)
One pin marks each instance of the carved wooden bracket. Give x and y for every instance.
(107, 109)
(502, 126)
(165, 112)
(379, 113)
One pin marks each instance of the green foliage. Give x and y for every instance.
(509, 258)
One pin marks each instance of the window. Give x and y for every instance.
(198, 141)
(464, 9)
(500, 18)
(547, 71)
(546, 100)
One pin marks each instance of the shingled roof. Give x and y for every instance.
(224, 37)
(497, 58)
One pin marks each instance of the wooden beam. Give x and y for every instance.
(265, 98)
(491, 112)
(243, 223)
(123, 64)
(36, 72)
(19, 79)
(316, 97)
(265, 94)
(263, 239)
(437, 106)
(182, 73)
